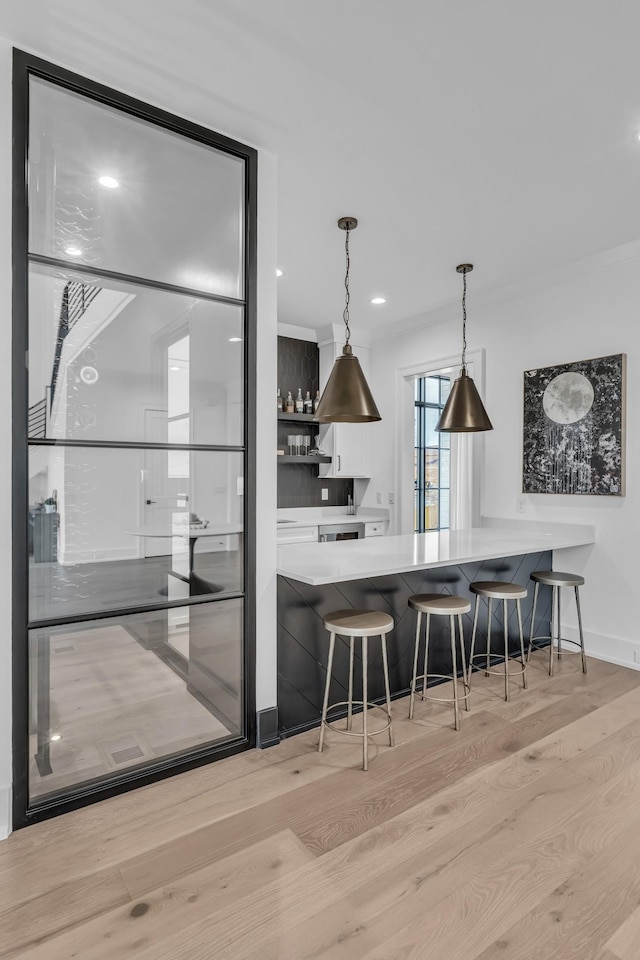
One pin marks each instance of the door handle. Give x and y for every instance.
(151, 501)
(338, 463)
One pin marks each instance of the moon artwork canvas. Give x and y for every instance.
(574, 427)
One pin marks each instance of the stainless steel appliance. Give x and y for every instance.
(340, 531)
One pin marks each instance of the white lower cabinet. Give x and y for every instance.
(297, 535)
(375, 528)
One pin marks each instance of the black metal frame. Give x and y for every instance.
(26, 66)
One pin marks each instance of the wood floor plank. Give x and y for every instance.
(625, 942)
(72, 903)
(500, 895)
(578, 916)
(449, 846)
(384, 903)
(312, 803)
(124, 931)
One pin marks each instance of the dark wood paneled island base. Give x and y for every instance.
(303, 640)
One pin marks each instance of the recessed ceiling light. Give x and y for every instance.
(109, 182)
(55, 736)
(73, 251)
(174, 368)
(235, 339)
(377, 300)
(278, 272)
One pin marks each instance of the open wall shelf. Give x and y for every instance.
(298, 418)
(310, 460)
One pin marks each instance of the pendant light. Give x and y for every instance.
(346, 397)
(464, 411)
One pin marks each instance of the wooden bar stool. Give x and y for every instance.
(491, 590)
(440, 605)
(556, 580)
(357, 624)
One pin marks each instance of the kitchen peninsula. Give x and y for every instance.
(381, 574)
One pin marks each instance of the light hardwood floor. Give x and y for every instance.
(517, 838)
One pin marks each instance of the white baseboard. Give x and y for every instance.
(5, 812)
(612, 649)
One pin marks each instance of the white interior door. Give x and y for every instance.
(166, 486)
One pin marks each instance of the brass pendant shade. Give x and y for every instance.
(464, 411)
(346, 397)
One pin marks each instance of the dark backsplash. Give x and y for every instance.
(298, 484)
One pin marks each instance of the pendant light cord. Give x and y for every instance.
(464, 321)
(345, 315)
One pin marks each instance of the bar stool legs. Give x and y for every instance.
(556, 581)
(453, 607)
(325, 702)
(358, 624)
(497, 590)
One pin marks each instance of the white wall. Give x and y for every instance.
(593, 312)
(128, 76)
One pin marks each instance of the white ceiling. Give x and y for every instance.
(500, 132)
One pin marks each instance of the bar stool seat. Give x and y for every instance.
(357, 624)
(491, 590)
(553, 578)
(443, 605)
(498, 590)
(556, 579)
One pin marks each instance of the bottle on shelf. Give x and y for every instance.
(308, 403)
(299, 401)
(316, 402)
(289, 406)
(279, 401)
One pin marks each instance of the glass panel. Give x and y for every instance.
(432, 417)
(445, 390)
(114, 528)
(114, 361)
(113, 191)
(108, 696)
(431, 468)
(432, 389)
(431, 510)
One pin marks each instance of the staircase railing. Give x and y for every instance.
(76, 298)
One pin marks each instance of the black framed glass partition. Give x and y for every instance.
(134, 301)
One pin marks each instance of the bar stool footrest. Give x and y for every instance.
(572, 653)
(441, 676)
(522, 667)
(356, 703)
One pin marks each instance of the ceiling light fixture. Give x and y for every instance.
(235, 339)
(55, 737)
(73, 251)
(377, 300)
(174, 368)
(346, 397)
(278, 272)
(109, 182)
(464, 411)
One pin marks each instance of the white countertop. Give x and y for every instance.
(319, 563)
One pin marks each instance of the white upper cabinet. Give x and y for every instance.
(345, 443)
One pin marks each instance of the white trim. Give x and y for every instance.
(297, 333)
(5, 812)
(612, 649)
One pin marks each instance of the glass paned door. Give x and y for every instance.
(137, 606)
(432, 455)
